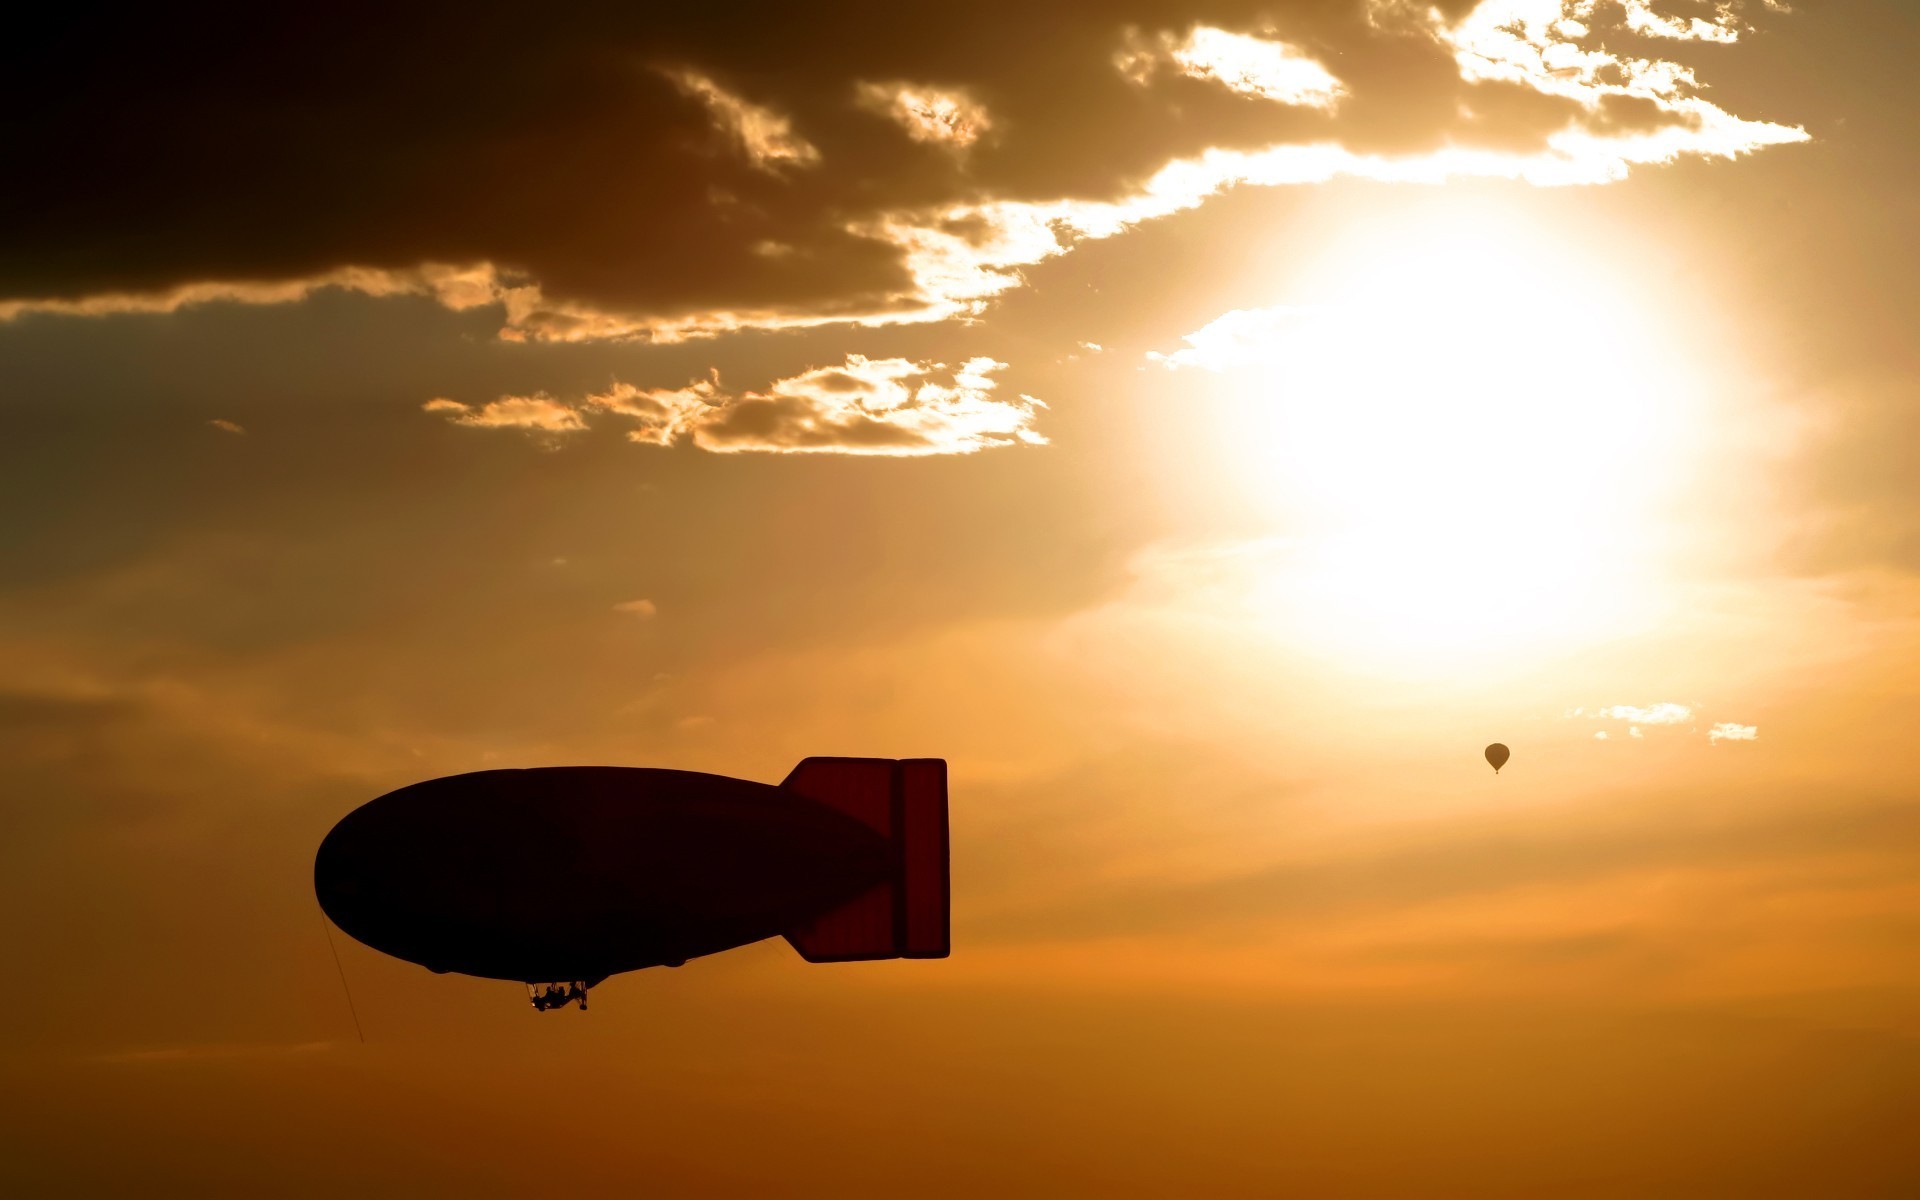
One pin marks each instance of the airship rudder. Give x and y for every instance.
(905, 915)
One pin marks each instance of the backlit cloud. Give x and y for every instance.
(454, 287)
(539, 412)
(660, 416)
(928, 114)
(605, 215)
(1642, 18)
(1634, 110)
(763, 135)
(890, 406)
(1665, 713)
(1250, 66)
(1233, 339)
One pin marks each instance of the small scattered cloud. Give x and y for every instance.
(1642, 19)
(660, 416)
(1233, 339)
(1251, 66)
(942, 116)
(1666, 713)
(539, 413)
(763, 135)
(889, 406)
(226, 426)
(638, 608)
(885, 406)
(1562, 50)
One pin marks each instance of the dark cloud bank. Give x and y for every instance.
(655, 171)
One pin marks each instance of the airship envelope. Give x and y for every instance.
(561, 876)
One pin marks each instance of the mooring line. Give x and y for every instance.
(326, 927)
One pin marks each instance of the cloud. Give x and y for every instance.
(1721, 27)
(539, 413)
(928, 114)
(1247, 65)
(1633, 110)
(1233, 339)
(862, 406)
(1665, 713)
(660, 415)
(766, 137)
(454, 287)
(586, 202)
(226, 426)
(875, 406)
(638, 608)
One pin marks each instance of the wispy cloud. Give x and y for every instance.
(226, 426)
(1637, 110)
(539, 412)
(943, 116)
(1252, 66)
(1665, 713)
(1233, 339)
(862, 406)
(763, 135)
(1641, 18)
(456, 287)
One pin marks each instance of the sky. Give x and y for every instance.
(1206, 425)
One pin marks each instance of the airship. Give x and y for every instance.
(558, 877)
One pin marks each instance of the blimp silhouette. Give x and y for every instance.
(558, 877)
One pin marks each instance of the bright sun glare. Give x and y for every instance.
(1464, 440)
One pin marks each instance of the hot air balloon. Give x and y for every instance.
(1497, 756)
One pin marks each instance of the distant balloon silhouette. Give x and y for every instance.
(1497, 755)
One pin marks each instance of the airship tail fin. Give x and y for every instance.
(905, 800)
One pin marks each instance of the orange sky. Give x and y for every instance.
(1204, 424)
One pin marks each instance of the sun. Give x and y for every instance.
(1462, 437)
